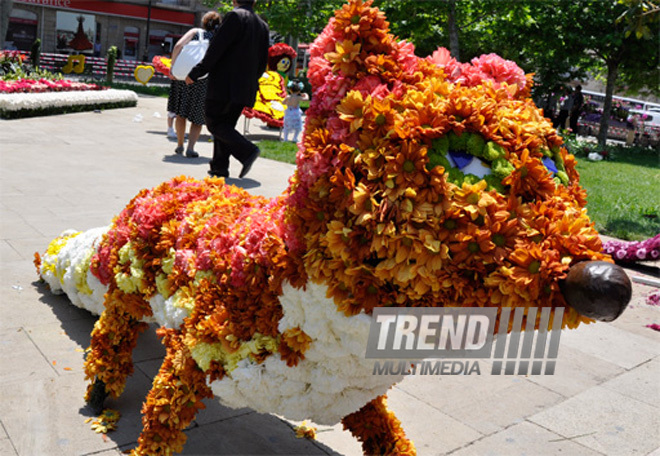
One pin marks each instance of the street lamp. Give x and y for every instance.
(146, 40)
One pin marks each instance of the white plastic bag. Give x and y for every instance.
(191, 54)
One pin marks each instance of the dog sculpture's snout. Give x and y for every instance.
(597, 289)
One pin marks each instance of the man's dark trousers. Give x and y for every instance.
(221, 119)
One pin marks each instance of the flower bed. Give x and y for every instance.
(45, 85)
(631, 251)
(29, 92)
(19, 105)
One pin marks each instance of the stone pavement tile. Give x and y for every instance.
(112, 452)
(639, 314)
(437, 432)
(20, 359)
(26, 301)
(335, 439)
(655, 452)
(486, 403)
(16, 228)
(611, 344)
(605, 421)
(63, 346)
(524, 439)
(575, 372)
(46, 416)
(6, 447)
(8, 253)
(149, 347)
(641, 383)
(252, 434)
(31, 204)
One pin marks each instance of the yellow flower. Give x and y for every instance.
(345, 58)
(351, 109)
(305, 432)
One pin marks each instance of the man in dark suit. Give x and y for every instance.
(235, 60)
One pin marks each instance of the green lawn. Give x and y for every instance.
(279, 150)
(623, 193)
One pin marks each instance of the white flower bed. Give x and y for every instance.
(12, 104)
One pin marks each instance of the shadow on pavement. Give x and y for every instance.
(183, 160)
(202, 138)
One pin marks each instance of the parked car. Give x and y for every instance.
(589, 125)
(647, 127)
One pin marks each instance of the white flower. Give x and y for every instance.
(20, 101)
(334, 380)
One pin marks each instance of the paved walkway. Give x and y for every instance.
(78, 170)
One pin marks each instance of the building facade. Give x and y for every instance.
(139, 28)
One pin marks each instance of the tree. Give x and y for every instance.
(301, 20)
(605, 32)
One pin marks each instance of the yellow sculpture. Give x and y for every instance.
(143, 73)
(78, 60)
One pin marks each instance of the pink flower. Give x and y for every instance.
(653, 299)
(443, 59)
(372, 85)
(325, 42)
(184, 260)
(500, 70)
(406, 56)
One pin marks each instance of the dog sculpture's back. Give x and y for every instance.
(419, 182)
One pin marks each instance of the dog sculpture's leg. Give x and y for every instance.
(379, 430)
(110, 359)
(174, 399)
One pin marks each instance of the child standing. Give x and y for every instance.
(293, 113)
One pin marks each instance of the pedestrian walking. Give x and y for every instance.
(576, 109)
(235, 60)
(187, 100)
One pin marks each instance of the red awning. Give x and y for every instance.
(119, 9)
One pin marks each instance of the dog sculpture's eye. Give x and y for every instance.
(470, 158)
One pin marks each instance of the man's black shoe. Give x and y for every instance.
(248, 163)
(218, 173)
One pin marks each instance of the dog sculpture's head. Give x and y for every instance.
(426, 182)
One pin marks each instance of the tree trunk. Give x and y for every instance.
(453, 31)
(612, 73)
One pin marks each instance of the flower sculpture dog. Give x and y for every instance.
(419, 182)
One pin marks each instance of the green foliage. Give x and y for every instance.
(13, 68)
(35, 53)
(22, 72)
(112, 59)
(300, 19)
(149, 89)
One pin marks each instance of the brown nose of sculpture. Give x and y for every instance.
(597, 289)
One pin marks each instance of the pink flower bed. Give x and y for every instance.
(648, 250)
(45, 85)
